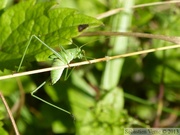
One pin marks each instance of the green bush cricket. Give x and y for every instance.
(64, 57)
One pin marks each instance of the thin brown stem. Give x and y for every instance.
(160, 106)
(160, 96)
(171, 39)
(10, 114)
(106, 58)
(117, 10)
(19, 104)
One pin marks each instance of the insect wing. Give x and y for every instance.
(56, 74)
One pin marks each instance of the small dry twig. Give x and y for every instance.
(107, 58)
(10, 114)
(172, 39)
(117, 10)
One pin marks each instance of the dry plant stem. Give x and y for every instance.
(19, 104)
(160, 106)
(107, 58)
(171, 120)
(10, 114)
(171, 39)
(115, 11)
(160, 96)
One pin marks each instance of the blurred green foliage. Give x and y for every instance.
(101, 103)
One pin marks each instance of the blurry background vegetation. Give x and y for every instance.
(106, 97)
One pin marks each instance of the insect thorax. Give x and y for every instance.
(74, 53)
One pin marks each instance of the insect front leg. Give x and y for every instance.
(68, 74)
(28, 44)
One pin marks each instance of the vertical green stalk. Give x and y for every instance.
(120, 23)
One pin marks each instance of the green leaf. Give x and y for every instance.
(106, 117)
(3, 4)
(54, 26)
(3, 131)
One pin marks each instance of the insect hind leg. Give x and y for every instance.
(46, 102)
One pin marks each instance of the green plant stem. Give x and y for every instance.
(148, 103)
(113, 69)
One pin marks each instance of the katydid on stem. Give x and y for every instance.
(64, 57)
